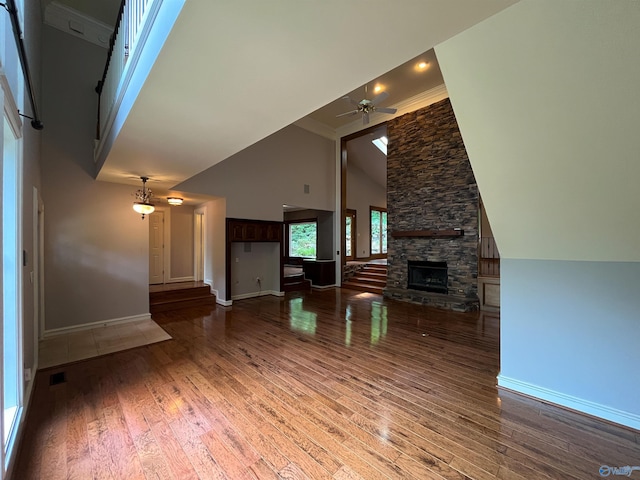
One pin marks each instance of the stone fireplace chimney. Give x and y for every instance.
(432, 204)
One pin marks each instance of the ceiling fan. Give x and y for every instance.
(367, 106)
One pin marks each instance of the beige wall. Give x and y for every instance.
(96, 255)
(260, 179)
(550, 120)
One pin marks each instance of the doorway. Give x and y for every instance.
(363, 185)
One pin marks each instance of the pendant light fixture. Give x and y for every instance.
(143, 196)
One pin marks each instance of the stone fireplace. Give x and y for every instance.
(432, 204)
(427, 276)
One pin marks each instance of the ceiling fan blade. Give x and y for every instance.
(365, 118)
(379, 98)
(353, 112)
(386, 110)
(350, 100)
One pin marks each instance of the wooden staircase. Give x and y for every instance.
(294, 283)
(179, 295)
(372, 278)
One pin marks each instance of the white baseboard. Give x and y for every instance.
(627, 419)
(224, 303)
(257, 294)
(321, 287)
(88, 326)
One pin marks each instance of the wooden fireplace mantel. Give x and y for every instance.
(451, 232)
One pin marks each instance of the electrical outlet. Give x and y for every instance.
(27, 374)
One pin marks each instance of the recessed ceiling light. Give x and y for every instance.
(378, 88)
(422, 66)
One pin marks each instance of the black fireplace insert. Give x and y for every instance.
(428, 276)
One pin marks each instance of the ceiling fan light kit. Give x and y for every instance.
(366, 107)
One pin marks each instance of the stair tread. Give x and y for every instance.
(177, 300)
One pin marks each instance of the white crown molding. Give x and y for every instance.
(77, 24)
(411, 104)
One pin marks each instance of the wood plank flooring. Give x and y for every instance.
(331, 384)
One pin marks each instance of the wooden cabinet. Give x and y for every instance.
(253, 231)
(320, 272)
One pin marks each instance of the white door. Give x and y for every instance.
(199, 246)
(156, 247)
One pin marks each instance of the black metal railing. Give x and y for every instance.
(10, 6)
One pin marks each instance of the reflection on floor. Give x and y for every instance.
(97, 341)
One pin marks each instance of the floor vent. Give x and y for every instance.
(57, 378)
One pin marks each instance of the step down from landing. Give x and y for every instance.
(179, 295)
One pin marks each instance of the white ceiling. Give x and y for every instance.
(231, 73)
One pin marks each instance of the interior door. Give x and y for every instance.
(156, 248)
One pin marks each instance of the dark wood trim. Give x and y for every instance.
(452, 232)
(350, 212)
(343, 188)
(286, 233)
(371, 254)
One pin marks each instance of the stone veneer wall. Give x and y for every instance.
(430, 186)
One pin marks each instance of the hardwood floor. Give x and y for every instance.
(331, 384)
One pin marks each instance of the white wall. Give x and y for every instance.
(260, 179)
(257, 181)
(545, 94)
(96, 257)
(363, 193)
(215, 246)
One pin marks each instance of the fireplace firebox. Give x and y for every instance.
(428, 276)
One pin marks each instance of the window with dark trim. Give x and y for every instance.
(378, 216)
(302, 238)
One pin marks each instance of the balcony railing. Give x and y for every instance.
(133, 17)
(489, 258)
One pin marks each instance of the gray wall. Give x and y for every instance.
(96, 257)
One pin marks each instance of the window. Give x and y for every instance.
(303, 239)
(11, 285)
(378, 231)
(350, 234)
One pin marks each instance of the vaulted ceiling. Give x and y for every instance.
(231, 73)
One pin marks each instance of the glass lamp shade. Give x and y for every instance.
(143, 208)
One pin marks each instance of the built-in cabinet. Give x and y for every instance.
(249, 231)
(254, 231)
